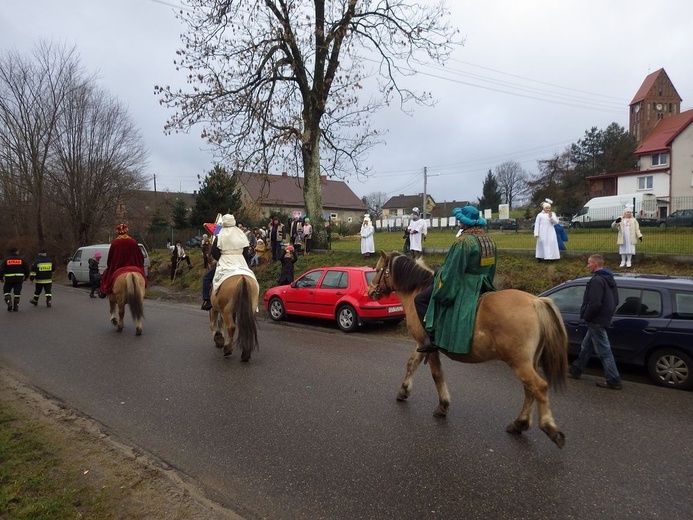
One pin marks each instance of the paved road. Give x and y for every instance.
(310, 427)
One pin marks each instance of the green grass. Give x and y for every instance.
(517, 267)
(655, 240)
(34, 484)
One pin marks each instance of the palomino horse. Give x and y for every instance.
(516, 327)
(234, 306)
(128, 289)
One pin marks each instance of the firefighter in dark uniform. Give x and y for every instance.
(42, 275)
(14, 270)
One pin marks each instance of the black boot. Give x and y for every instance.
(428, 345)
(206, 305)
(16, 304)
(34, 302)
(8, 301)
(48, 302)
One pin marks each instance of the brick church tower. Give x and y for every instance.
(655, 100)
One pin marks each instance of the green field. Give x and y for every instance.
(677, 241)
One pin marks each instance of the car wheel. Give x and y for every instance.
(73, 279)
(671, 368)
(276, 309)
(347, 319)
(662, 225)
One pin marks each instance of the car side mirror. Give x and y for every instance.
(294, 284)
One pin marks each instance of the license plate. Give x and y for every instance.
(399, 308)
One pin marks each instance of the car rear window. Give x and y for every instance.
(636, 302)
(369, 277)
(683, 306)
(335, 280)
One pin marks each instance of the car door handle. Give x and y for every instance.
(650, 329)
(339, 293)
(573, 323)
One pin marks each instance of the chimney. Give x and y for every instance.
(323, 179)
(285, 175)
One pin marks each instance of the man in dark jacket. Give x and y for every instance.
(598, 306)
(13, 271)
(41, 274)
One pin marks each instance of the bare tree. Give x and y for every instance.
(278, 83)
(64, 145)
(511, 179)
(98, 158)
(375, 201)
(32, 94)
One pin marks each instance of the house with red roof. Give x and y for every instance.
(265, 194)
(665, 148)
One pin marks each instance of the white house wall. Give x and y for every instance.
(660, 183)
(682, 163)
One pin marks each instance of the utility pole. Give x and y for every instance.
(423, 208)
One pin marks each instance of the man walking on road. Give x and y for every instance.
(598, 306)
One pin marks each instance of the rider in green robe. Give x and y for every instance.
(467, 272)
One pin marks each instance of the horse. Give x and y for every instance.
(514, 326)
(234, 306)
(128, 289)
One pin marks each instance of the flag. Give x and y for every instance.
(215, 227)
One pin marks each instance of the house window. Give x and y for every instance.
(334, 216)
(645, 183)
(659, 159)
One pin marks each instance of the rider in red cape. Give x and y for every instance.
(124, 255)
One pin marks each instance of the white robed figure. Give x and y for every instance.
(367, 239)
(547, 243)
(231, 241)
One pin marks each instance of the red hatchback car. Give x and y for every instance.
(333, 293)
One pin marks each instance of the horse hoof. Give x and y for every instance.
(120, 329)
(114, 322)
(227, 352)
(517, 427)
(138, 332)
(440, 412)
(218, 340)
(559, 439)
(245, 358)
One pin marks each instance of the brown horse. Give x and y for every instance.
(234, 306)
(128, 289)
(516, 327)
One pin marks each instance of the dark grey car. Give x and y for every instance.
(652, 326)
(682, 217)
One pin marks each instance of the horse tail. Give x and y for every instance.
(134, 296)
(553, 343)
(246, 321)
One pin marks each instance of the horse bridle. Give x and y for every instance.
(383, 275)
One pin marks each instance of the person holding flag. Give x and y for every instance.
(214, 255)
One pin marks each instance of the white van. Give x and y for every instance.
(78, 265)
(602, 211)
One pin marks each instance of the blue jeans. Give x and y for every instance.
(596, 341)
(207, 282)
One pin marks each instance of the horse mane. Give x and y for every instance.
(410, 275)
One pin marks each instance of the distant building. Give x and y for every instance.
(264, 194)
(665, 148)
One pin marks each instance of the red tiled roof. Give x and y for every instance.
(664, 132)
(280, 190)
(646, 86)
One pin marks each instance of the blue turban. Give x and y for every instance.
(469, 216)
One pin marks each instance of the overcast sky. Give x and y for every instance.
(532, 77)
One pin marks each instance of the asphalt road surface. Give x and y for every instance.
(310, 428)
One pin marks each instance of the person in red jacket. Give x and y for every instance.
(123, 255)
